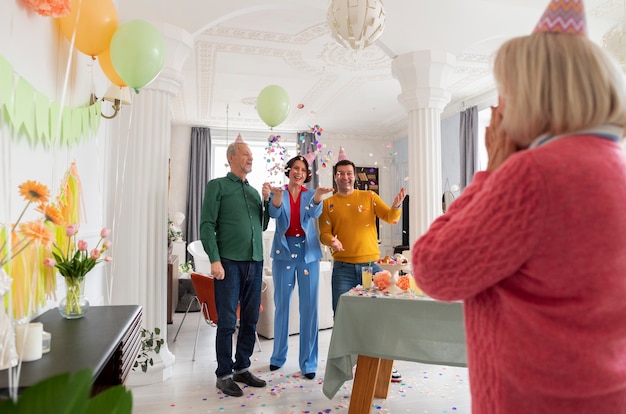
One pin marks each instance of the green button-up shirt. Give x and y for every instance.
(232, 220)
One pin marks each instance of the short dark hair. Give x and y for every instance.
(344, 162)
(292, 161)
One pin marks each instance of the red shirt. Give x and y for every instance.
(295, 227)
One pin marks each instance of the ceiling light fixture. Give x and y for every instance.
(118, 95)
(356, 24)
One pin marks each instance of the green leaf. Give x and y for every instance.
(115, 400)
(69, 394)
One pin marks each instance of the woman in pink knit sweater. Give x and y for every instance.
(536, 245)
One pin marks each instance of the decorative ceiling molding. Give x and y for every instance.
(292, 57)
(608, 8)
(372, 58)
(205, 63)
(299, 38)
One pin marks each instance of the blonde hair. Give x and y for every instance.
(557, 83)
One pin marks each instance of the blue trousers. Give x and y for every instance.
(285, 273)
(241, 285)
(346, 276)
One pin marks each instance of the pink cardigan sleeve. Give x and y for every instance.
(487, 234)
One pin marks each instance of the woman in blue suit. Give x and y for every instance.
(296, 253)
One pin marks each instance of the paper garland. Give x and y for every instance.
(37, 117)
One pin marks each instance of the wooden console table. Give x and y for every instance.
(172, 287)
(106, 339)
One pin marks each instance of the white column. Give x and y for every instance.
(423, 76)
(138, 202)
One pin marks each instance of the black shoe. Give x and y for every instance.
(228, 387)
(274, 367)
(247, 378)
(310, 375)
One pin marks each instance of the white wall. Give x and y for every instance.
(38, 53)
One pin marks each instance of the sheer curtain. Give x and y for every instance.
(199, 174)
(468, 135)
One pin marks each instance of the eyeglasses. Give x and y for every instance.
(344, 174)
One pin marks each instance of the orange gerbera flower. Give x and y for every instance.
(34, 191)
(52, 214)
(36, 230)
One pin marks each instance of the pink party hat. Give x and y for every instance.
(239, 138)
(563, 16)
(342, 155)
(310, 157)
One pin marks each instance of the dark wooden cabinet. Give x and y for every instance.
(106, 339)
(367, 179)
(172, 287)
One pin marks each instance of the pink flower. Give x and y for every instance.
(108, 259)
(107, 245)
(71, 230)
(94, 254)
(105, 232)
(82, 245)
(49, 262)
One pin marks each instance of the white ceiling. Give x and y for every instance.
(241, 46)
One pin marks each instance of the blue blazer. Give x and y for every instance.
(309, 212)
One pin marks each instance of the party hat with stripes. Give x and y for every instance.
(563, 16)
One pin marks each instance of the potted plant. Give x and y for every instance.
(185, 269)
(150, 342)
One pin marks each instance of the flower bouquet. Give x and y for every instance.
(74, 262)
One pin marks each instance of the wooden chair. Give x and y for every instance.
(205, 296)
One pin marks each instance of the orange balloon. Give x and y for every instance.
(94, 27)
(104, 59)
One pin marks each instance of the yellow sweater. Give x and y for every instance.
(353, 220)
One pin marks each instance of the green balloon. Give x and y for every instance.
(137, 53)
(272, 104)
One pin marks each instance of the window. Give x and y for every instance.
(484, 117)
(267, 166)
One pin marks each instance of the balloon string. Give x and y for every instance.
(119, 190)
(67, 69)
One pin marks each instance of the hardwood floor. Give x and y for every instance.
(191, 388)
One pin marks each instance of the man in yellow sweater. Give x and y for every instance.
(348, 226)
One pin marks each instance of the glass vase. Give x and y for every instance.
(74, 305)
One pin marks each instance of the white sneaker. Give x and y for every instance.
(396, 376)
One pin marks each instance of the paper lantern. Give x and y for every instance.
(356, 24)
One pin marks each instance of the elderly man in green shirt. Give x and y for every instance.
(231, 224)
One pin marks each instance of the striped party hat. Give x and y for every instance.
(239, 138)
(563, 16)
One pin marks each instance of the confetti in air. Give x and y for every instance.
(275, 156)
